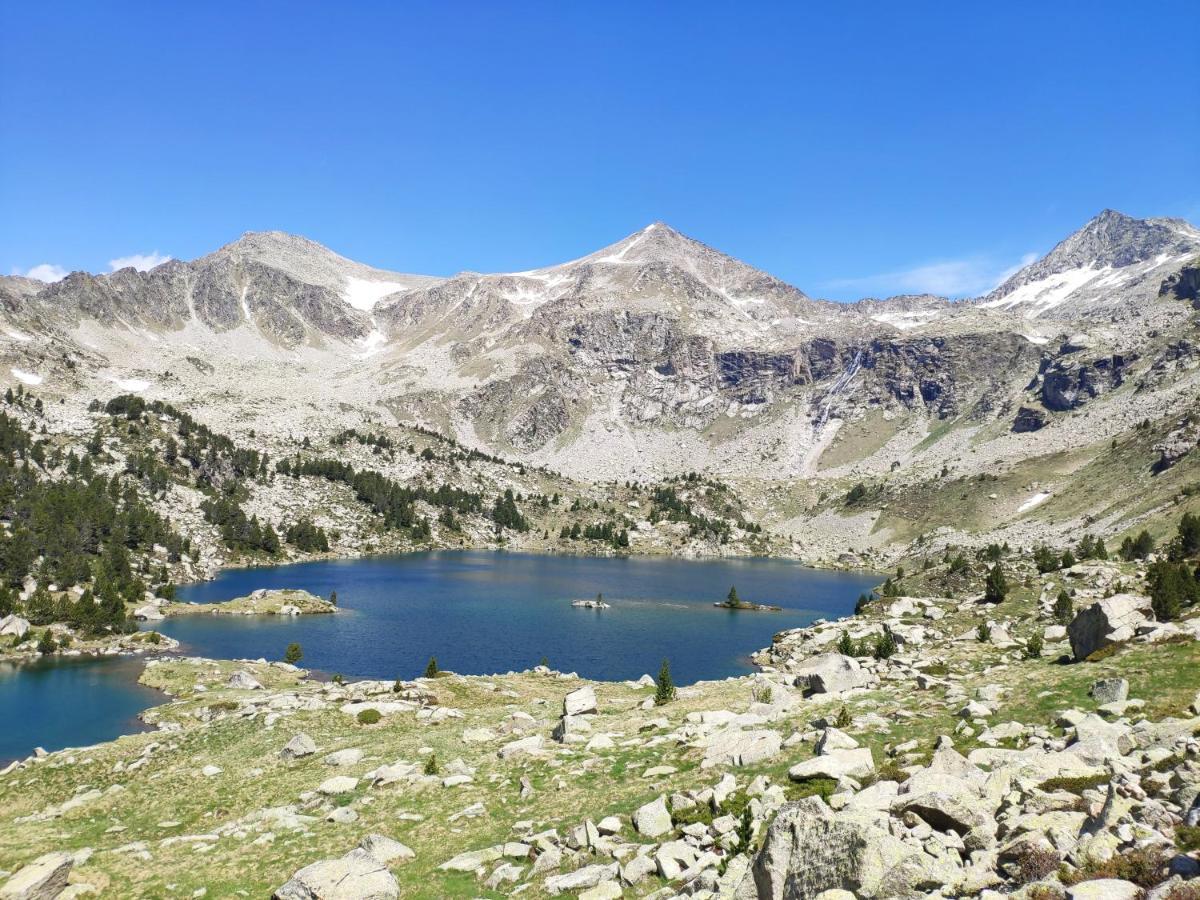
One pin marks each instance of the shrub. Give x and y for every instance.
(812, 787)
(1144, 866)
(762, 693)
(1103, 653)
(1074, 784)
(46, 643)
(983, 634)
(885, 644)
(1064, 608)
(995, 588)
(856, 493)
(1035, 863)
(1187, 838)
(665, 691)
(431, 765)
(844, 719)
(431, 668)
(369, 716)
(293, 654)
(845, 645)
(1033, 649)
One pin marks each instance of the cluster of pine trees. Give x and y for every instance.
(83, 527)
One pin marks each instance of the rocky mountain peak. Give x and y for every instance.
(1110, 240)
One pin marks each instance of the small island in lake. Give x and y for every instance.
(733, 601)
(262, 602)
(598, 603)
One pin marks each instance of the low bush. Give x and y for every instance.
(369, 716)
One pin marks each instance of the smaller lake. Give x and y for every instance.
(482, 612)
(72, 702)
(478, 612)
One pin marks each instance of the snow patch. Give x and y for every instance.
(905, 320)
(1036, 339)
(1046, 293)
(135, 385)
(17, 336)
(1036, 500)
(27, 377)
(363, 294)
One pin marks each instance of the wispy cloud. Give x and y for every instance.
(969, 277)
(143, 262)
(44, 272)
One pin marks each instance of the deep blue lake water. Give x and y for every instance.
(478, 612)
(69, 703)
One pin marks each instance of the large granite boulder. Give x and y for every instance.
(810, 849)
(1108, 621)
(356, 876)
(43, 879)
(580, 702)
(734, 747)
(829, 673)
(856, 763)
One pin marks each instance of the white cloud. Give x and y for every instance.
(44, 272)
(968, 277)
(143, 262)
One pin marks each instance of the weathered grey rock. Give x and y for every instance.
(385, 849)
(943, 811)
(829, 673)
(856, 763)
(244, 681)
(572, 729)
(652, 819)
(580, 702)
(580, 879)
(638, 868)
(43, 879)
(523, 747)
(1104, 889)
(832, 739)
(14, 625)
(472, 860)
(338, 784)
(299, 746)
(349, 757)
(734, 747)
(356, 876)
(808, 849)
(1110, 690)
(1108, 621)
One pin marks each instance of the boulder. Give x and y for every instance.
(579, 702)
(856, 763)
(652, 819)
(356, 876)
(943, 811)
(385, 849)
(833, 739)
(829, 673)
(734, 747)
(349, 757)
(523, 747)
(43, 879)
(299, 746)
(1110, 690)
(15, 626)
(471, 861)
(1104, 889)
(809, 849)
(243, 681)
(1108, 621)
(580, 879)
(338, 784)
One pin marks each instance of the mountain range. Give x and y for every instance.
(659, 355)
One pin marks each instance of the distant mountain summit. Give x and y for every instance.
(1094, 265)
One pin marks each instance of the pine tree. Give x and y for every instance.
(995, 588)
(732, 599)
(293, 654)
(1033, 649)
(845, 644)
(1064, 609)
(665, 692)
(885, 644)
(431, 669)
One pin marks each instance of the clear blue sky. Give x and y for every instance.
(871, 149)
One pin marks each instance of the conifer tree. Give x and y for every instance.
(665, 692)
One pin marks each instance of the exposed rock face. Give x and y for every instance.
(43, 879)
(1068, 384)
(829, 673)
(1176, 445)
(580, 701)
(1108, 621)
(1029, 419)
(356, 876)
(808, 850)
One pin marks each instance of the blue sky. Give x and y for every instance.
(865, 150)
